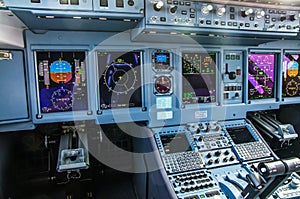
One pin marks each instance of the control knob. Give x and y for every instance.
(260, 14)
(247, 12)
(206, 9)
(173, 9)
(221, 11)
(158, 6)
(294, 17)
(295, 183)
(217, 153)
(283, 18)
(210, 162)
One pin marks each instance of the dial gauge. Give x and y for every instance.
(62, 99)
(291, 88)
(163, 84)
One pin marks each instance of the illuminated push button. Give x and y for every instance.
(120, 3)
(74, 2)
(103, 3)
(63, 1)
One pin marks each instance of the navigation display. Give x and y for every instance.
(261, 76)
(175, 143)
(240, 135)
(199, 77)
(61, 81)
(120, 79)
(291, 78)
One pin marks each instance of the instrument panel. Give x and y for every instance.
(162, 81)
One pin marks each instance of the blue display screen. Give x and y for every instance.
(161, 58)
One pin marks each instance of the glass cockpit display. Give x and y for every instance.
(120, 79)
(61, 81)
(261, 76)
(290, 72)
(174, 143)
(199, 77)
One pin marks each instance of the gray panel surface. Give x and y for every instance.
(13, 103)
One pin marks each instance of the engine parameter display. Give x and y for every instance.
(199, 77)
(291, 77)
(61, 81)
(120, 79)
(261, 76)
(175, 143)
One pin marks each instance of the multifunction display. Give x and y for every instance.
(240, 135)
(290, 72)
(174, 143)
(198, 77)
(261, 76)
(61, 81)
(120, 79)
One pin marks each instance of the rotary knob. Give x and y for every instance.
(210, 162)
(283, 18)
(247, 12)
(173, 9)
(158, 6)
(294, 17)
(217, 153)
(206, 9)
(295, 183)
(221, 11)
(260, 14)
